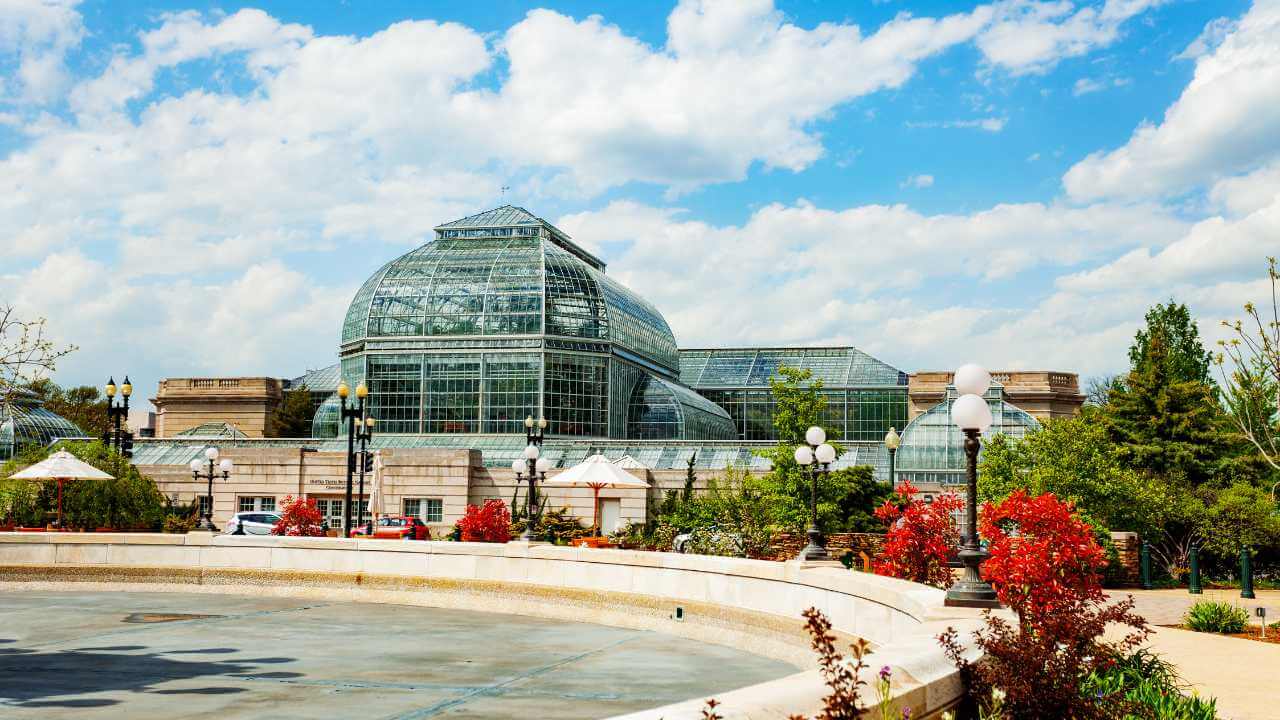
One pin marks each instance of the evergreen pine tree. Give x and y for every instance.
(1163, 423)
(293, 418)
(1186, 357)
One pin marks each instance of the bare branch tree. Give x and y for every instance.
(26, 354)
(1254, 373)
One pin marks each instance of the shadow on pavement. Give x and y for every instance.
(61, 678)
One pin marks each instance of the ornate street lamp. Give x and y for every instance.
(891, 442)
(204, 470)
(972, 415)
(532, 465)
(116, 413)
(817, 456)
(350, 414)
(364, 433)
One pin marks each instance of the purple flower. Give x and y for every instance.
(906, 713)
(885, 672)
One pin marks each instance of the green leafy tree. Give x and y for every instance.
(129, 500)
(1238, 516)
(1165, 425)
(1074, 459)
(293, 418)
(1183, 355)
(846, 497)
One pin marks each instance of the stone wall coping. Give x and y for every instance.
(762, 597)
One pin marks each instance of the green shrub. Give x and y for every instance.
(1216, 617)
(1144, 687)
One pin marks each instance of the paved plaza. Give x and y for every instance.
(1240, 673)
(160, 655)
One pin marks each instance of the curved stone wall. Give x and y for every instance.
(749, 604)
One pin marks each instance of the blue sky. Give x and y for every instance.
(198, 188)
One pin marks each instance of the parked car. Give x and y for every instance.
(252, 523)
(395, 527)
(714, 536)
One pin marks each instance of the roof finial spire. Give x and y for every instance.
(502, 197)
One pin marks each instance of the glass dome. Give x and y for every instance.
(326, 422)
(932, 449)
(27, 423)
(505, 273)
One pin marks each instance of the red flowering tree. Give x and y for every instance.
(490, 522)
(919, 536)
(300, 518)
(1044, 559)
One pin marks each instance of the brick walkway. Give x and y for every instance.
(1241, 674)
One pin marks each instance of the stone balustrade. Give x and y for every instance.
(749, 604)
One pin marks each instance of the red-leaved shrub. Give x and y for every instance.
(490, 522)
(1045, 565)
(300, 517)
(1044, 560)
(918, 537)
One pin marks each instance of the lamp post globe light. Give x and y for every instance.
(817, 456)
(891, 442)
(972, 415)
(118, 413)
(364, 433)
(528, 467)
(205, 470)
(350, 414)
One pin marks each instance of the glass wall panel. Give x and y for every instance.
(452, 397)
(510, 391)
(577, 395)
(395, 392)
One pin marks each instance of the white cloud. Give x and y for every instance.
(917, 181)
(872, 262)
(990, 124)
(1030, 36)
(1226, 121)
(34, 39)
(1215, 31)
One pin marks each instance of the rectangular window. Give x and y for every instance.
(257, 504)
(204, 504)
(429, 510)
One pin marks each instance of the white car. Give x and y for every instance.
(252, 523)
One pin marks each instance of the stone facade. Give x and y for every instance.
(245, 403)
(1042, 394)
(455, 477)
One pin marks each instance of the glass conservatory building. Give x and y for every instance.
(25, 422)
(502, 317)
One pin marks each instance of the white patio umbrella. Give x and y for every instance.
(61, 466)
(596, 472)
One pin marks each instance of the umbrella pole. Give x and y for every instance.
(595, 510)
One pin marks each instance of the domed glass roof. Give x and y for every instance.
(507, 273)
(26, 422)
(932, 442)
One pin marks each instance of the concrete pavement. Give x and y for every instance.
(1242, 674)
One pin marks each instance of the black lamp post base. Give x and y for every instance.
(972, 591)
(814, 550)
(206, 525)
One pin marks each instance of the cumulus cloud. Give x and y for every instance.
(34, 40)
(872, 261)
(1226, 121)
(1031, 36)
